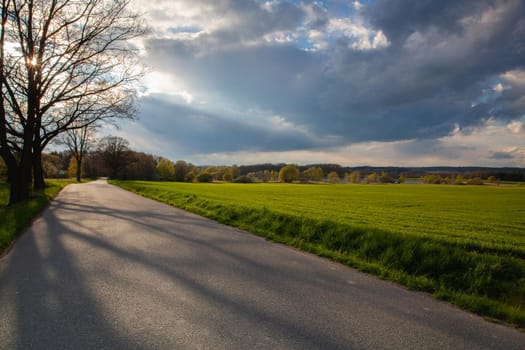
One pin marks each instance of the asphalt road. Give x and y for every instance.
(102, 268)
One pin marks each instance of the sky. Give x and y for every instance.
(379, 82)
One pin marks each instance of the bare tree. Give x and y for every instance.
(63, 65)
(115, 154)
(79, 141)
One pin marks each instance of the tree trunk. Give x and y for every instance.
(16, 193)
(38, 171)
(10, 163)
(22, 178)
(79, 169)
(20, 185)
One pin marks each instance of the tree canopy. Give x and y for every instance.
(288, 173)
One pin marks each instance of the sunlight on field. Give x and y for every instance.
(489, 214)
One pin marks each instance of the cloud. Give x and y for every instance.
(360, 36)
(458, 152)
(516, 127)
(158, 83)
(492, 144)
(498, 88)
(271, 76)
(511, 102)
(195, 129)
(502, 155)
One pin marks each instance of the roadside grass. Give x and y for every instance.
(15, 218)
(463, 244)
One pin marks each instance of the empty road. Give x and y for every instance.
(103, 268)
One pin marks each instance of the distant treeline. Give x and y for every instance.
(112, 157)
(503, 174)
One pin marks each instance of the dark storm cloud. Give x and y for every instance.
(202, 132)
(502, 155)
(280, 77)
(400, 18)
(432, 147)
(251, 21)
(437, 73)
(457, 47)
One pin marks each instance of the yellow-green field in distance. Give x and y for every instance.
(493, 215)
(465, 244)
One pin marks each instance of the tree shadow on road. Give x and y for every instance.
(167, 274)
(47, 302)
(54, 307)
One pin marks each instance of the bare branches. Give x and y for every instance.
(69, 51)
(79, 140)
(64, 65)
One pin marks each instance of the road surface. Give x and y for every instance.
(103, 268)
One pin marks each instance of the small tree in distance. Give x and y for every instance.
(79, 141)
(333, 177)
(115, 155)
(493, 180)
(385, 178)
(204, 177)
(354, 177)
(288, 173)
(313, 174)
(72, 169)
(181, 169)
(372, 178)
(166, 169)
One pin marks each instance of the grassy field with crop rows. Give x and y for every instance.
(465, 244)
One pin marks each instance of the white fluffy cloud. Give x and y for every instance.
(360, 36)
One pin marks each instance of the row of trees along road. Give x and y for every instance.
(64, 65)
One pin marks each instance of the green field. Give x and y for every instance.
(14, 219)
(465, 244)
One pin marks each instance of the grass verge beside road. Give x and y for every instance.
(15, 218)
(463, 244)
